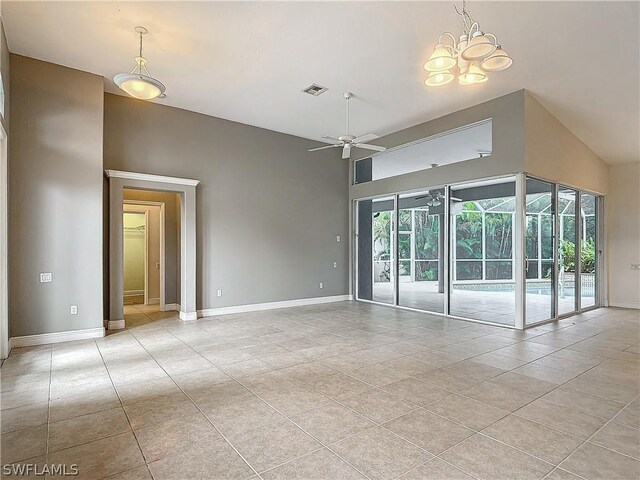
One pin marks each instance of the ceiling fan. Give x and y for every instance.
(435, 198)
(347, 141)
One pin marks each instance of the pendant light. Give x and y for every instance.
(139, 83)
(474, 54)
(497, 61)
(472, 75)
(436, 79)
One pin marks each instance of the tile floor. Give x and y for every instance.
(335, 391)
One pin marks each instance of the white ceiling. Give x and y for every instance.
(248, 61)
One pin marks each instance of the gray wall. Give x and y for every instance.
(508, 138)
(268, 212)
(55, 192)
(171, 237)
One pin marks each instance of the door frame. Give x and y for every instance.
(142, 204)
(186, 189)
(4, 250)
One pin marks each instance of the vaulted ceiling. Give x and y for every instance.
(248, 62)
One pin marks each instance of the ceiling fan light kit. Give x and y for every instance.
(474, 54)
(139, 83)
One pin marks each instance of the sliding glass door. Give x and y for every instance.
(421, 262)
(482, 280)
(567, 245)
(481, 251)
(376, 250)
(540, 264)
(588, 249)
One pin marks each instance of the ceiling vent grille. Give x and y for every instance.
(315, 90)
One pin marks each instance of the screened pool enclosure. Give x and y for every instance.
(514, 251)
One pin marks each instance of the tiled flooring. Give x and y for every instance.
(485, 305)
(335, 391)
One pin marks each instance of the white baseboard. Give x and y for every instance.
(133, 293)
(115, 324)
(624, 304)
(153, 301)
(255, 307)
(57, 337)
(171, 307)
(187, 316)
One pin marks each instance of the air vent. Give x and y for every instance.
(315, 90)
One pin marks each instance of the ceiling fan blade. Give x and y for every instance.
(365, 138)
(346, 151)
(333, 139)
(322, 148)
(370, 147)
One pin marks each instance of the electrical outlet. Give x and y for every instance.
(335, 264)
(219, 293)
(321, 285)
(74, 309)
(338, 238)
(45, 277)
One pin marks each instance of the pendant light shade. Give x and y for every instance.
(441, 59)
(473, 75)
(479, 46)
(498, 61)
(139, 86)
(139, 83)
(436, 79)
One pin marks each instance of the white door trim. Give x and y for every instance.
(151, 178)
(5, 348)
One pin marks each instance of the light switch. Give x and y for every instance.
(321, 285)
(338, 238)
(45, 277)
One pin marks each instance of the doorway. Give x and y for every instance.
(183, 269)
(144, 240)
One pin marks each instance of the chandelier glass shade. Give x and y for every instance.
(139, 83)
(470, 57)
(436, 79)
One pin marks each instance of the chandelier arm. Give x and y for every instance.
(477, 28)
(453, 39)
(495, 40)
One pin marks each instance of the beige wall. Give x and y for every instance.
(55, 197)
(552, 152)
(623, 222)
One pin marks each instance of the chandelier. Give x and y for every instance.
(475, 54)
(139, 83)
